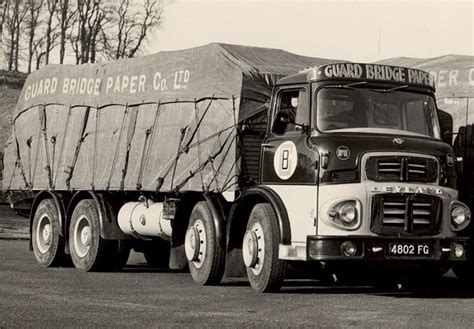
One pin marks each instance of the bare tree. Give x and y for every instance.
(50, 29)
(13, 19)
(86, 37)
(66, 16)
(3, 7)
(134, 22)
(34, 7)
(92, 30)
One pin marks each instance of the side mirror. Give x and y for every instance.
(446, 126)
(280, 123)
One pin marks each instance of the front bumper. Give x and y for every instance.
(328, 248)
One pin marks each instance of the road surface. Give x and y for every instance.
(32, 296)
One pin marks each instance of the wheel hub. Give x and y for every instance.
(44, 234)
(250, 249)
(253, 248)
(47, 234)
(82, 236)
(85, 236)
(195, 243)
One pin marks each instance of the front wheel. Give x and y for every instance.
(89, 252)
(206, 257)
(47, 241)
(265, 270)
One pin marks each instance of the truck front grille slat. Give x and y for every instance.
(402, 169)
(418, 221)
(414, 165)
(405, 214)
(411, 171)
(393, 220)
(421, 212)
(393, 211)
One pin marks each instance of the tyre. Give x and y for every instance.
(157, 253)
(48, 244)
(206, 257)
(89, 252)
(265, 270)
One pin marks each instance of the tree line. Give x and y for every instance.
(34, 33)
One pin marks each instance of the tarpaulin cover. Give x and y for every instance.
(161, 122)
(454, 79)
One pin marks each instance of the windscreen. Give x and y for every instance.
(341, 108)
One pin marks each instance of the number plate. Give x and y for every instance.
(409, 249)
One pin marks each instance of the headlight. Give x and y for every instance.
(345, 214)
(348, 213)
(460, 216)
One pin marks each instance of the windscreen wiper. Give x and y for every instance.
(348, 86)
(389, 90)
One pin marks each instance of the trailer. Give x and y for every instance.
(236, 160)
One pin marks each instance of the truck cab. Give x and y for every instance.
(355, 152)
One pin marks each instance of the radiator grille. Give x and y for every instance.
(402, 169)
(405, 214)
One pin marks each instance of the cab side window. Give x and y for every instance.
(294, 103)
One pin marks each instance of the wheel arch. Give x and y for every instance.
(238, 219)
(109, 229)
(240, 212)
(58, 202)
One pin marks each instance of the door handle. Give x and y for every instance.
(270, 146)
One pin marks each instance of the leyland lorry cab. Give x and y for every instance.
(355, 152)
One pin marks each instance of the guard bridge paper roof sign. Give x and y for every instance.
(372, 72)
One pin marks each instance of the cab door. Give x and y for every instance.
(287, 157)
(289, 165)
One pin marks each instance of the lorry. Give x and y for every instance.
(234, 160)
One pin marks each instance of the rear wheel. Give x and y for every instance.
(265, 270)
(206, 257)
(48, 244)
(89, 252)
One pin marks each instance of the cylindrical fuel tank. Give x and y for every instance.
(144, 219)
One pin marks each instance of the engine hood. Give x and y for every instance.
(346, 150)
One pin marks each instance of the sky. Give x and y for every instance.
(352, 30)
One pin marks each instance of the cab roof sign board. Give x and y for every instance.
(372, 72)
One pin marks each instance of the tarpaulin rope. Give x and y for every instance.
(203, 165)
(238, 139)
(173, 164)
(20, 164)
(216, 172)
(178, 153)
(130, 132)
(28, 145)
(70, 169)
(53, 142)
(94, 161)
(198, 133)
(147, 147)
(117, 147)
(198, 122)
(43, 125)
(32, 178)
(63, 145)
